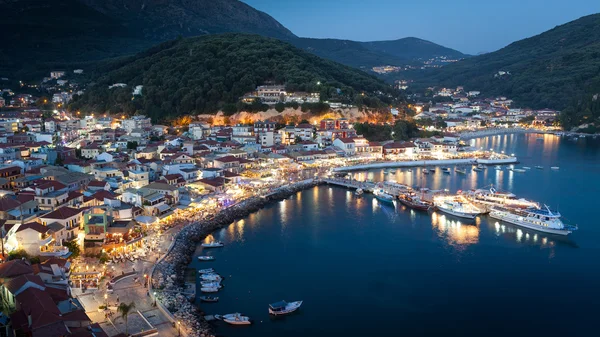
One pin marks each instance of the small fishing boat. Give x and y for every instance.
(518, 170)
(425, 171)
(206, 258)
(206, 271)
(477, 169)
(211, 285)
(214, 244)
(211, 277)
(209, 299)
(539, 167)
(481, 166)
(526, 168)
(446, 170)
(209, 290)
(359, 192)
(234, 319)
(460, 170)
(283, 307)
(383, 197)
(392, 171)
(498, 167)
(555, 168)
(386, 171)
(431, 170)
(413, 201)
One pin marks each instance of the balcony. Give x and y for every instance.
(53, 250)
(45, 240)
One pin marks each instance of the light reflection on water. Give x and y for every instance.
(453, 231)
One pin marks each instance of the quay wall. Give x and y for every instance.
(395, 164)
(168, 274)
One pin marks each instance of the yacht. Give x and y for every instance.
(359, 192)
(234, 319)
(539, 219)
(283, 307)
(214, 244)
(383, 197)
(457, 208)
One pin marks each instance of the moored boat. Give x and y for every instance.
(446, 170)
(539, 167)
(211, 277)
(555, 168)
(211, 284)
(492, 197)
(206, 258)
(431, 170)
(517, 170)
(460, 170)
(539, 219)
(526, 168)
(209, 289)
(206, 271)
(214, 244)
(283, 307)
(234, 319)
(359, 192)
(209, 299)
(457, 208)
(481, 166)
(477, 169)
(413, 201)
(383, 197)
(425, 171)
(498, 167)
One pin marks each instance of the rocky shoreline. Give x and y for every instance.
(169, 272)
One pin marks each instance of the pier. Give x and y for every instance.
(416, 163)
(391, 188)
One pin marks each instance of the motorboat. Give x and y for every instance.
(457, 208)
(284, 308)
(498, 167)
(209, 299)
(206, 271)
(234, 319)
(214, 244)
(211, 277)
(518, 170)
(539, 167)
(431, 170)
(492, 197)
(386, 171)
(383, 197)
(359, 192)
(539, 219)
(392, 171)
(425, 171)
(446, 170)
(481, 166)
(526, 168)
(413, 201)
(477, 169)
(555, 168)
(206, 258)
(209, 289)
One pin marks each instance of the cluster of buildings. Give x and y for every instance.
(273, 94)
(467, 110)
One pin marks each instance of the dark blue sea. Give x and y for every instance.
(367, 269)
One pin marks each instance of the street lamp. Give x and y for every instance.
(155, 298)
(106, 300)
(178, 328)
(145, 281)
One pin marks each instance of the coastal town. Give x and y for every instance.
(101, 210)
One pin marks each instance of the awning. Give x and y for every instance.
(144, 219)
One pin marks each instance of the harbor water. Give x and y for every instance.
(364, 268)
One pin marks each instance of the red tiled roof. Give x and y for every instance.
(18, 282)
(215, 182)
(62, 213)
(14, 268)
(7, 203)
(227, 159)
(347, 140)
(35, 226)
(97, 183)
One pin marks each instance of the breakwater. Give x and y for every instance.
(168, 275)
(415, 163)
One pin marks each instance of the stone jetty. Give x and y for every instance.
(168, 277)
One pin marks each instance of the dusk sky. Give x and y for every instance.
(469, 26)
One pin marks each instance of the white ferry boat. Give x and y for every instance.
(457, 208)
(543, 220)
(214, 244)
(493, 197)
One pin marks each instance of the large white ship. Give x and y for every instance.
(487, 198)
(457, 208)
(542, 219)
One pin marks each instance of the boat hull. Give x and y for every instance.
(386, 200)
(457, 214)
(412, 205)
(293, 307)
(515, 221)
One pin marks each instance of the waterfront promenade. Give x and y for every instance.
(496, 131)
(416, 163)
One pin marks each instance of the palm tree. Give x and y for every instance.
(124, 309)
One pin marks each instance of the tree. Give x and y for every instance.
(297, 140)
(125, 309)
(132, 145)
(73, 248)
(279, 107)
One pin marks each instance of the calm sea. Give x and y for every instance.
(367, 269)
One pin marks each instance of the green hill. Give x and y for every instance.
(557, 69)
(412, 48)
(209, 73)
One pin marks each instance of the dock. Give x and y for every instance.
(424, 163)
(391, 188)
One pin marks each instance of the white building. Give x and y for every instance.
(136, 122)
